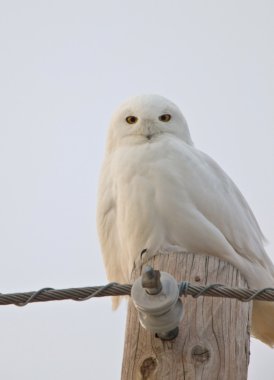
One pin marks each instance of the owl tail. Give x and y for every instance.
(115, 302)
(263, 321)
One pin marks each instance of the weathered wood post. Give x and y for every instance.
(213, 341)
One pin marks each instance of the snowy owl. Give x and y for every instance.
(158, 192)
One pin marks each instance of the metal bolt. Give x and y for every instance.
(151, 280)
(170, 335)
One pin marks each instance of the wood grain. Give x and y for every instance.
(213, 341)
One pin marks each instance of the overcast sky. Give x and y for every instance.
(64, 68)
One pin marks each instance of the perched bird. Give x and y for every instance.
(158, 192)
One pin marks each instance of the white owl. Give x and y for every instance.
(158, 192)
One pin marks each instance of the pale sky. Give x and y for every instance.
(64, 68)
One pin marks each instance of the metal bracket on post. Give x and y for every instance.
(156, 297)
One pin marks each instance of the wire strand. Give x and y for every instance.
(115, 289)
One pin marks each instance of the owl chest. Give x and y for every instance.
(149, 185)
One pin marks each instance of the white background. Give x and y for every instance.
(64, 67)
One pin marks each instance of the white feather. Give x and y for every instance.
(158, 192)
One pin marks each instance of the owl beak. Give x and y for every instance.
(148, 130)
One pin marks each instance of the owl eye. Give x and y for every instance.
(131, 119)
(165, 117)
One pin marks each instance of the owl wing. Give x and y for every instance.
(219, 200)
(107, 224)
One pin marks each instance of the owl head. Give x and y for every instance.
(145, 119)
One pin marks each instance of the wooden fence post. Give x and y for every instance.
(213, 341)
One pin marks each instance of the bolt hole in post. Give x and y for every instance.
(148, 367)
(200, 354)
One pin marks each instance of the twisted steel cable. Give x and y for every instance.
(115, 289)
